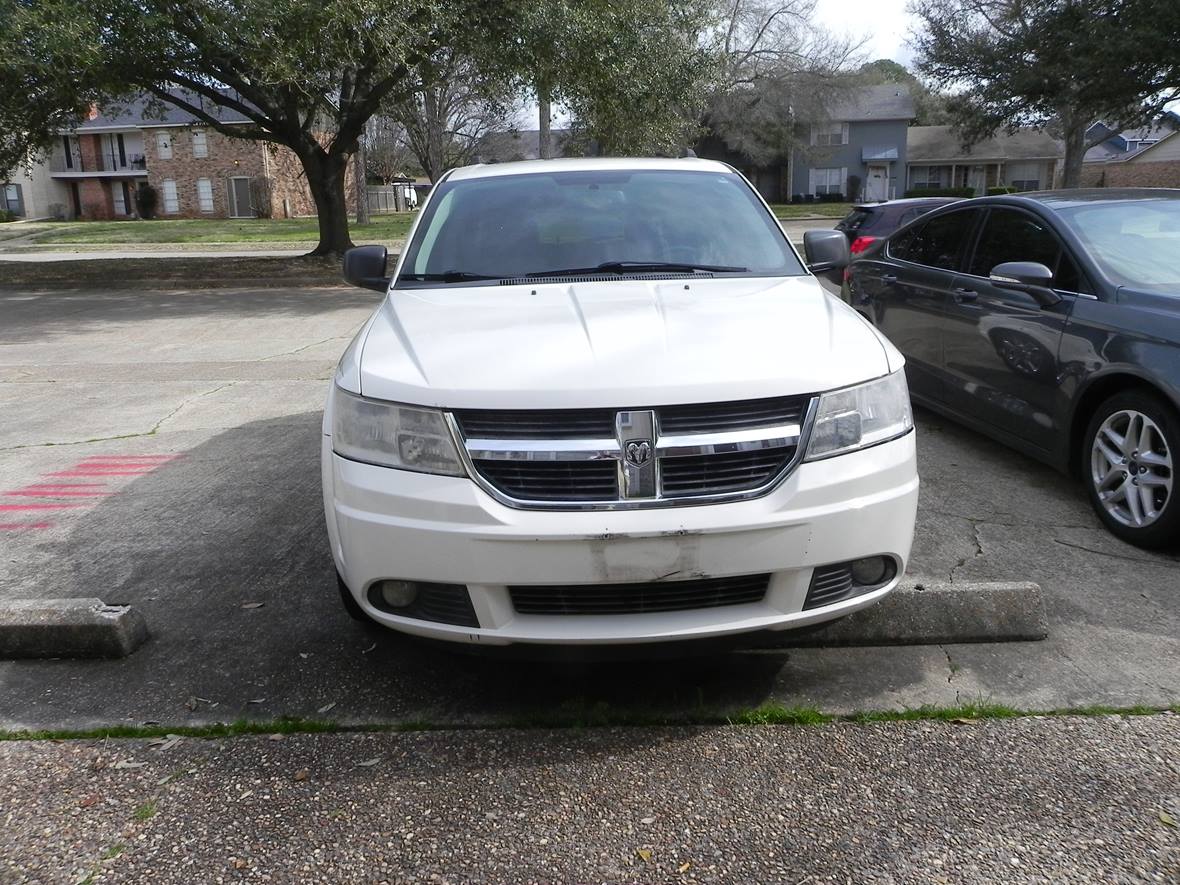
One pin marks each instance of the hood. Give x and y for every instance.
(615, 343)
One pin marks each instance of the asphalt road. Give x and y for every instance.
(184, 427)
(1068, 800)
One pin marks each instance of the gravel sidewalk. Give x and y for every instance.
(1023, 800)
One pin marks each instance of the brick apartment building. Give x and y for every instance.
(196, 171)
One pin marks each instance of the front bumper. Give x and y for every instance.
(385, 523)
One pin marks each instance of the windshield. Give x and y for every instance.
(482, 230)
(1136, 243)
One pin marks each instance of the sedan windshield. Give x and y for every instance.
(1137, 243)
(482, 230)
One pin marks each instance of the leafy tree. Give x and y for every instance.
(306, 74)
(633, 73)
(1061, 64)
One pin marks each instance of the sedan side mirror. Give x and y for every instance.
(364, 266)
(1030, 277)
(827, 253)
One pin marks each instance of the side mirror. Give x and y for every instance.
(364, 266)
(827, 253)
(1030, 277)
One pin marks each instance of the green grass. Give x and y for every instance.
(788, 211)
(146, 811)
(383, 228)
(598, 715)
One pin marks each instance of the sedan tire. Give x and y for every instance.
(1128, 459)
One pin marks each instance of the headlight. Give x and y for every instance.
(384, 433)
(861, 416)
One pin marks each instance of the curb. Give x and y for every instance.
(69, 628)
(922, 613)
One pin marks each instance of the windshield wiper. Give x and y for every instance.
(619, 267)
(449, 276)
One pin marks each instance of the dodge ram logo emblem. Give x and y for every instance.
(638, 452)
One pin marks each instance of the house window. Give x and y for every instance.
(829, 134)
(1024, 176)
(205, 194)
(164, 145)
(827, 181)
(200, 144)
(13, 200)
(927, 177)
(171, 203)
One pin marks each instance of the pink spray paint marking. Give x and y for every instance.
(19, 526)
(77, 472)
(8, 508)
(55, 493)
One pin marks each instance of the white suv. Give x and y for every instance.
(603, 401)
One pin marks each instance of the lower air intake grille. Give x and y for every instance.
(627, 599)
(443, 604)
(829, 584)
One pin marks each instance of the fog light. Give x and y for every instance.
(870, 571)
(398, 594)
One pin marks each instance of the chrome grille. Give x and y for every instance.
(644, 457)
(626, 599)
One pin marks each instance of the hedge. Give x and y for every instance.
(1000, 191)
(941, 192)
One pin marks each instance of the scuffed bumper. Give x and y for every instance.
(386, 523)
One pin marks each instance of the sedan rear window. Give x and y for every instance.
(1135, 242)
(856, 220)
(483, 230)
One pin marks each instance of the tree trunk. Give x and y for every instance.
(544, 118)
(1075, 152)
(361, 184)
(325, 180)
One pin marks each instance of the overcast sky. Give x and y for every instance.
(884, 22)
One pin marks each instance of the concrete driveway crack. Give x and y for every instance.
(275, 356)
(152, 432)
(1163, 560)
(978, 550)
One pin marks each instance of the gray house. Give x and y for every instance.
(860, 150)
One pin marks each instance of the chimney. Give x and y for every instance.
(92, 112)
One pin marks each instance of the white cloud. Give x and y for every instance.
(884, 23)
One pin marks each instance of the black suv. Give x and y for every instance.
(868, 222)
(1050, 321)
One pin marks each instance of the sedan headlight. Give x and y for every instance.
(862, 416)
(390, 435)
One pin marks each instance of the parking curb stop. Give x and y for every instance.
(69, 628)
(932, 613)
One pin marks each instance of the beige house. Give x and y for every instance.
(31, 192)
(1027, 160)
(196, 171)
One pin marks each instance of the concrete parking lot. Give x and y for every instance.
(160, 448)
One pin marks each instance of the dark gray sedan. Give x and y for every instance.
(1051, 322)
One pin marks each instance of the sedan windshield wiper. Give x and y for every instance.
(449, 276)
(620, 267)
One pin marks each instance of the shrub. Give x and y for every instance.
(830, 198)
(5, 215)
(147, 198)
(940, 192)
(853, 188)
(1000, 191)
(261, 195)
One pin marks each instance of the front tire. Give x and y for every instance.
(1128, 459)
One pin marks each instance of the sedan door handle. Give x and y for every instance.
(889, 278)
(963, 295)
